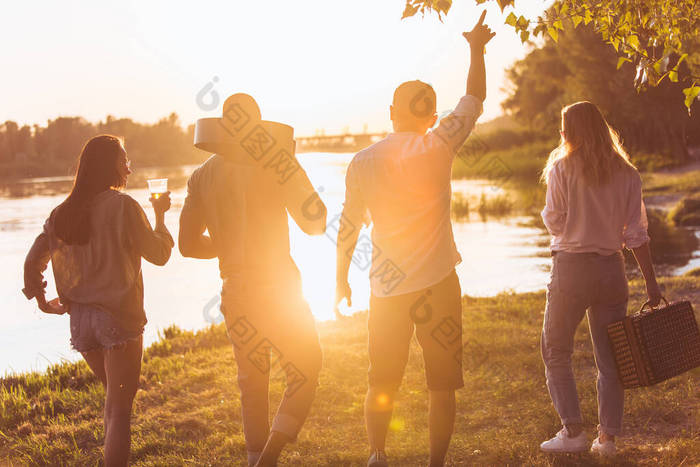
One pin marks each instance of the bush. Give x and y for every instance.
(669, 244)
(686, 212)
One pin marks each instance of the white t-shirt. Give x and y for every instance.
(402, 185)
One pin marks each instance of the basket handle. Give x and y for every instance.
(652, 307)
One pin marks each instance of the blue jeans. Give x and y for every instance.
(580, 282)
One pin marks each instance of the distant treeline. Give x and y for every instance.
(33, 151)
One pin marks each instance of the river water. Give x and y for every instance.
(498, 254)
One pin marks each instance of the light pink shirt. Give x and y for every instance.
(598, 219)
(402, 184)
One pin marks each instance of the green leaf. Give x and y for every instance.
(615, 41)
(554, 33)
(621, 61)
(523, 22)
(564, 8)
(680, 60)
(512, 19)
(691, 94)
(673, 76)
(587, 17)
(524, 35)
(558, 24)
(628, 17)
(633, 41)
(576, 19)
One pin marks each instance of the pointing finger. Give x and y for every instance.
(481, 19)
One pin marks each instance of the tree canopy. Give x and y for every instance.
(655, 36)
(581, 66)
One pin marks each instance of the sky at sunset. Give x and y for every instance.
(312, 63)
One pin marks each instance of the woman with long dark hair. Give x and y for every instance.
(95, 240)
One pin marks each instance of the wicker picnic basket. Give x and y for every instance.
(655, 344)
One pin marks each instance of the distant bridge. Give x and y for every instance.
(337, 143)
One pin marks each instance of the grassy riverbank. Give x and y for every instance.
(187, 411)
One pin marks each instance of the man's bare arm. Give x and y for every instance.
(478, 38)
(192, 241)
(344, 249)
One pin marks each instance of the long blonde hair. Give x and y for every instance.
(589, 144)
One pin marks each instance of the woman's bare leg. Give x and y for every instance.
(96, 361)
(122, 368)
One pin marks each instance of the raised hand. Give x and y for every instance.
(480, 35)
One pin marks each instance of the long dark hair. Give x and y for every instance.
(97, 172)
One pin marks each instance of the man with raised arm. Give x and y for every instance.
(402, 185)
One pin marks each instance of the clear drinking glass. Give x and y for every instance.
(157, 186)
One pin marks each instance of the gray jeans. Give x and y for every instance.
(580, 282)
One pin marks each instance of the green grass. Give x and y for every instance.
(671, 183)
(522, 162)
(187, 411)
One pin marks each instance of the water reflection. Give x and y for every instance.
(52, 186)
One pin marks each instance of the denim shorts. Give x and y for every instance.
(92, 328)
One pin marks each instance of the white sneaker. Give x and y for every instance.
(603, 449)
(563, 443)
(377, 459)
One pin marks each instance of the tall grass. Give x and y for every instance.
(460, 207)
(498, 206)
